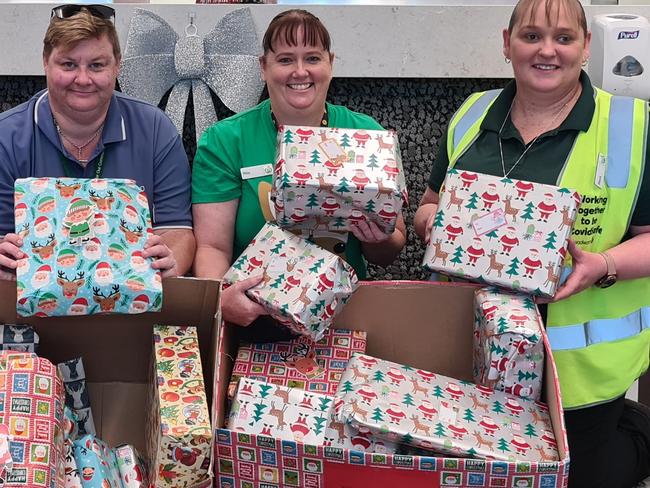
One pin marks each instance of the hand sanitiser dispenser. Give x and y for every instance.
(620, 54)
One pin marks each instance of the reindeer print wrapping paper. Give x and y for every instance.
(445, 415)
(331, 179)
(179, 437)
(76, 394)
(300, 362)
(84, 240)
(508, 344)
(303, 286)
(506, 232)
(18, 337)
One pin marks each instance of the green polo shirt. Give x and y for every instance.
(545, 158)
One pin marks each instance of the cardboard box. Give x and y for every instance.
(117, 351)
(428, 325)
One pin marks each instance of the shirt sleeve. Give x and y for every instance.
(641, 214)
(440, 164)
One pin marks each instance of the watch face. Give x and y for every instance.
(606, 281)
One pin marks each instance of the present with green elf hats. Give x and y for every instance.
(501, 231)
(332, 179)
(84, 240)
(303, 285)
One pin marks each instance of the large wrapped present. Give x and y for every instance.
(179, 437)
(277, 411)
(18, 337)
(508, 344)
(510, 233)
(96, 463)
(303, 286)
(84, 240)
(300, 362)
(331, 179)
(76, 394)
(445, 415)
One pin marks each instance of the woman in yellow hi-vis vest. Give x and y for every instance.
(550, 125)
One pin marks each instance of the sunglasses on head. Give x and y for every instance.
(100, 11)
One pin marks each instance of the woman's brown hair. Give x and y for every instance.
(285, 26)
(551, 8)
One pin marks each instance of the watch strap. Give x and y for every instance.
(611, 267)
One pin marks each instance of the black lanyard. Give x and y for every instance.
(68, 170)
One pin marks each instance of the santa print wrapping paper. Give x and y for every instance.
(300, 362)
(276, 411)
(510, 233)
(84, 240)
(303, 285)
(445, 415)
(131, 466)
(508, 344)
(32, 409)
(179, 437)
(96, 463)
(331, 179)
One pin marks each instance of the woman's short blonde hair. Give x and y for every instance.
(552, 8)
(66, 33)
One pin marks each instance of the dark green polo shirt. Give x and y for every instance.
(546, 157)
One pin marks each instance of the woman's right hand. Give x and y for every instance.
(9, 254)
(236, 307)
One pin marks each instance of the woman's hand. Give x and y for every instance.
(163, 256)
(588, 267)
(236, 307)
(9, 254)
(368, 231)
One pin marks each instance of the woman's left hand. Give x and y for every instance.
(588, 267)
(163, 256)
(368, 231)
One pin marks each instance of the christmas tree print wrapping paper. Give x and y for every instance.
(96, 463)
(179, 436)
(18, 337)
(303, 286)
(508, 344)
(276, 411)
(445, 415)
(510, 233)
(32, 414)
(84, 240)
(300, 362)
(330, 179)
(343, 435)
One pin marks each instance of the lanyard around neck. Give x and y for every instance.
(99, 169)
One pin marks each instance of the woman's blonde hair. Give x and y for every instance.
(552, 8)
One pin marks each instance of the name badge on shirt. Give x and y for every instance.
(601, 169)
(256, 171)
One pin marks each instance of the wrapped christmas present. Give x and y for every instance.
(131, 466)
(303, 286)
(76, 394)
(505, 232)
(72, 476)
(18, 337)
(508, 344)
(343, 435)
(96, 463)
(179, 436)
(441, 414)
(84, 240)
(331, 179)
(280, 412)
(300, 362)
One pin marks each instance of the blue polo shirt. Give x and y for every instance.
(139, 142)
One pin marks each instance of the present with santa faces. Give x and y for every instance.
(303, 286)
(508, 344)
(445, 415)
(84, 242)
(131, 466)
(96, 463)
(510, 233)
(328, 178)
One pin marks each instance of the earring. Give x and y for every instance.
(507, 60)
(584, 62)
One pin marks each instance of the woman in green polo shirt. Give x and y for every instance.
(231, 177)
(551, 126)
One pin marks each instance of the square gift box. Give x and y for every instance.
(510, 233)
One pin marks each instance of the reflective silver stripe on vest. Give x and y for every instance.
(619, 141)
(475, 112)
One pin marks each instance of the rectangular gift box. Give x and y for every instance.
(303, 286)
(179, 433)
(446, 415)
(96, 463)
(131, 466)
(84, 240)
(510, 233)
(508, 345)
(18, 337)
(76, 394)
(328, 178)
(300, 362)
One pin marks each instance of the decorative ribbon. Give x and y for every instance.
(225, 60)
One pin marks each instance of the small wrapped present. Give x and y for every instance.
(332, 179)
(303, 286)
(300, 362)
(179, 437)
(509, 233)
(508, 344)
(76, 394)
(131, 466)
(72, 476)
(86, 238)
(445, 415)
(16, 337)
(277, 411)
(96, 463)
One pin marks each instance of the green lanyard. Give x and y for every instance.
(68, 171)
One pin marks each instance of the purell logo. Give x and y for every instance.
(628, 34)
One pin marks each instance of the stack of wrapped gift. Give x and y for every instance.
(442, 414)
(303, 286)
(332, 179)
(86, 239)
(508, 344)
(510, 233)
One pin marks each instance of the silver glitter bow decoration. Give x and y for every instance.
(225, 60)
